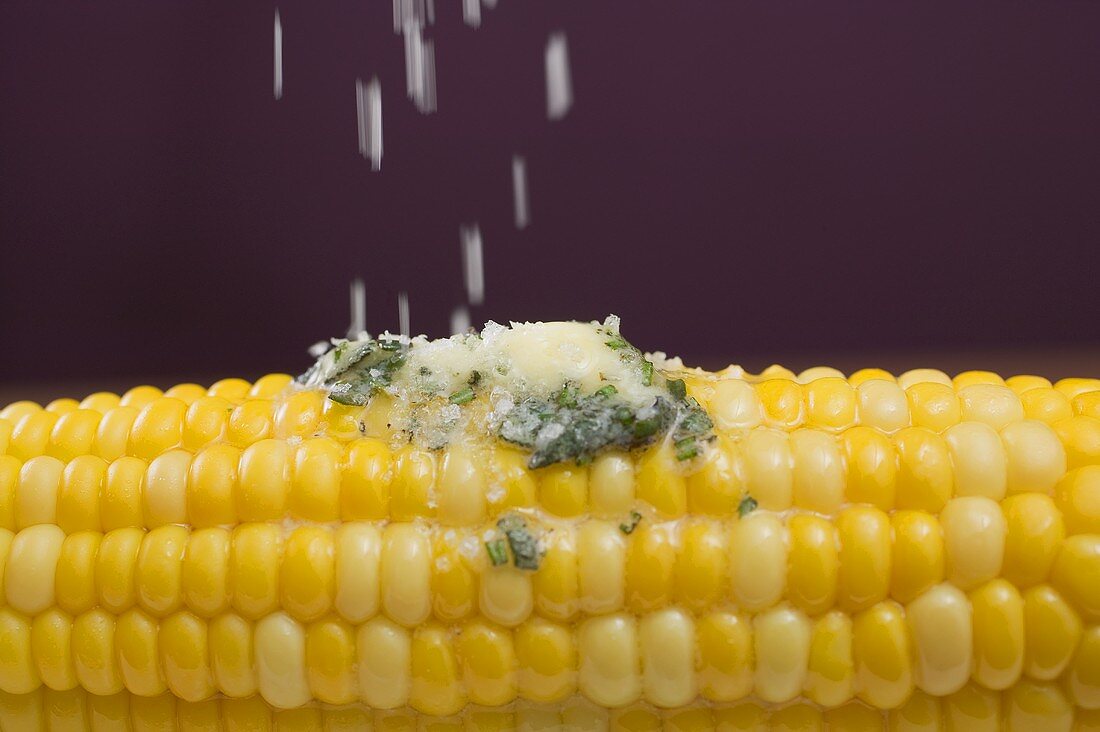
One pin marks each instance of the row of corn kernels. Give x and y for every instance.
(938, 644)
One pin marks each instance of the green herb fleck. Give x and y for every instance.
(677, 388)
(748, 505)
(525, 550)
(629, 526)
(606, 391)
(475, 378)
(567, 397)
(498, 555)
(646, 427)
(687, 448)
(462, 396)
(647, 372)
(391, 344)
(617, 342)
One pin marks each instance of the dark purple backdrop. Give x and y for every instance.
(735, 179)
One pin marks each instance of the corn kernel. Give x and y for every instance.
(974, 532)
(1087, 404)
(660, 481)
(981, 466)
(234, 390)
(769, 475)
(115, 569)
(932, 405)
(667, 648)
(943, 641)
(1077, 496)
(1033, 705)
(18, 674)
(998, 634)
(880, 647)
(819, 478)
(185, 657)
(782, 650)
(62, 405)
(735, 405)
(158, 427)
(37, 491)
(883, 405)
(74, 581)
(830, 403)
(813, 564)
(546, 660)
(853, 716)
(113, 433)
(872, 467)
(205, 422)
(269, 385)
(73, 434)
(164, 498)
(254, 558)
(211, 485)
(462, 489)
(330, 662)
(488, 660)
(830, 669)
(925, 479)
(725, 665)
(315, 480)
(51, 647)
(859, 378)
(204, 576)
(1034, 534)
(758, 561)
(1083, 680)
(139, 667)
(601, 554)
(411, 492)
(608, 671)
(918, 557)
(1051, 633)
(31, 568)
(717, 486)
(506, 595)
(513, 485)
(365, 485)
(78, 499)
(1074, 574)
(919, 712)
(819, 372)
(160, 569)
(1046, 405)
(973, 708)
(30, 436)
(555, 584)
(435, 672)
(782, 402)
(9, 478)
(17, 410)
(358, 550)
(1036, 458)
(1081, 437)
(250, 422)
(1075, 387)
(280, 661)
(406, 574)
(121, 503)
(702, 565)
(264, 482)
(864, 557)
(299, 414)
(93, 644)
(1023, 383)
(231, 652)
(307, 574)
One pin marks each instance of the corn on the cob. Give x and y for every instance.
(920, 544)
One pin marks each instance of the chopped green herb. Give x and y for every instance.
(567, 397)
(677, 388)
(647, 372)
(391, 344)
(606, 391)
(617, 342)
(346, 393)
(525, 550)
(498, 555)
(687, 448)
(748, 505)
(629, 526)
(646, 427)
(462, 396)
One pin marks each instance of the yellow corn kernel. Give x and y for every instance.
(546, 661)
(205, 422)
(782, 402)
(1046, 405)
(725, 664)
(925, 477)
(342, 422)
(299, 414)
(9, 479)
(758, 560)
(555, 584)
(411, 492)
(781, 646)
(608, 671)
(1073, 387)
(513, 485)
(1077, 496)
(744, 716)
(279, 644)
(120, 504)
(601, 567)
(819, 478)
(506, 596)
(315, 480)
(435, 672)
(94, 657)
(973, 708)
(211, 484)
(864, 577)
(1081, 437)
(234, 390)
(813, 563)
(185, 657)
(113, 433)
(307, 574)
(970, 378)
(1024, 383)
(872, 467)
(365, 484)
(51, 647)
(115, 569)
(830, 670)
(775, 371)
(919, 712)
(735, 405)
(998, 634)
(981, 467)
(858, 378)
(1031, 705)
(6, 428)
(31, 568)
(1034, 534)
(140, 396)
(943, 640)
(717, 486)
(974, 532)
(933, 405)
(267, 386)
(264, 482)
(73, 434)
(1074, 574)
(1036, 458)
(18, 674)
(186, 393)
(31, 435)
(691, 719)
(918, 557)
(852, 716)
(231, 652)
(488, 661)
(883, 405)
(660, 481)
(406, 574)
(249, 422)
(830, 403)
(563, 489)
(1083, 679)
(358, 561)
(201, 716)
(204, 578)
(769, 474)
(462, 489)
(254, 558)
(164, 498)
(17, 410)
(62, 406)
(139, 666)
(666, 640)
(160, 568)
(1087, 404)
(74, 582)
(814, 373)
(330, 662)
(880, 647)
(37, 491)
(158, 427)
(78, 498)
(702, 565)
(1051, 632)
(1087, 720)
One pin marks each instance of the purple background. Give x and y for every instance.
(739, 181)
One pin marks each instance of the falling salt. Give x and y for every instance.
(472, 264)
(403, 313)
(471, 12)
(559, 85)
(460, 320)
(368, 114)
(358, 300)
(278, 55)
(519, 190)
